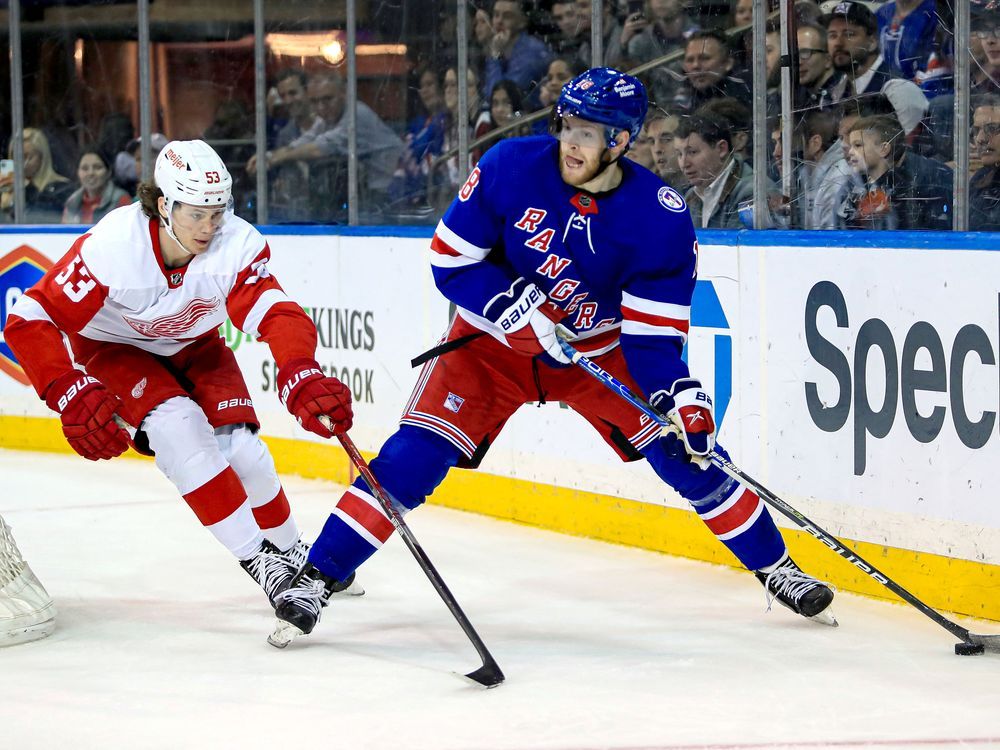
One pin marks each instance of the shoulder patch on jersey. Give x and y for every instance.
(670, 199)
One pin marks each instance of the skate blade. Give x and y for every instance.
(284, 633)
(355, 589)
(825, 618)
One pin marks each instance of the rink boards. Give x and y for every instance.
(858, 380)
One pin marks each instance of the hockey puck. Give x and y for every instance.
(968, 649)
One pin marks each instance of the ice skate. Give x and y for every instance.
(297, 558)
(300, 605)
(270, 569)
(798, 591)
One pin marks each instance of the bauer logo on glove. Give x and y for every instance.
(309, 394)
(689, 409)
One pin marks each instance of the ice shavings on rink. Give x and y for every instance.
(160, 642)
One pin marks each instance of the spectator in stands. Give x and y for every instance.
(816, 73)
(611, 29)
(641, 152)
(984, 76)
(742, 12)
(901, 189)
(482, 28)
(852, 40)
(512, 52)
(561, 71)
(662, 129)
(907, 30)
(45, 191)
(663, 27)
(113, 137)
(379, 148)
(231, 134)
(423, 141)
(135, 150)
(720, 180)
(985, 113)
(506, 105)
(737, 117)
(824, 177)
(291, 87)
(448, 176)
(288, 182)
(97, 195)
(571, 32)
(984, 187)
(772, 62)
(985, 73)
(708, 68)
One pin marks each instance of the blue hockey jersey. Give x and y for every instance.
(621, 264)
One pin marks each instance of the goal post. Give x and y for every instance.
(26, 609)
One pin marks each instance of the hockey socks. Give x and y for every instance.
(221, 506)
(738, 518)
(252, 462)
(411, 464)
(356, 530)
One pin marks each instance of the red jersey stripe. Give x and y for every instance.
(655, 320)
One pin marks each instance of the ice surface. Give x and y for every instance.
(161, 642)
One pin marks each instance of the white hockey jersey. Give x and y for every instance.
(112, 286)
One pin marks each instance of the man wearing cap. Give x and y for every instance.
(853, 43)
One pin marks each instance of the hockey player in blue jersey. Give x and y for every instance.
(553, 231)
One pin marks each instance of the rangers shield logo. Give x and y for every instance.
(453, 402)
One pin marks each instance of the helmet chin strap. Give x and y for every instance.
(168, 224)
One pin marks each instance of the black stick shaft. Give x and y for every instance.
(828, 539)
(489, 673)
(837, 546)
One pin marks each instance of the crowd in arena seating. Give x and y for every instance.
(871, 111)
(872, 107)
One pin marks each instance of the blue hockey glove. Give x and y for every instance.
(692, 420)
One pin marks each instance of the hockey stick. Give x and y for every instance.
(972, 643)
(489, 673)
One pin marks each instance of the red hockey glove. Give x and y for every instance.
(540, 334)
(309, 394)
(528, 320)
(689, 409)
(87, 411)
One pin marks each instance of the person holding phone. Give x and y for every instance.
(651, 30)
(655, 28)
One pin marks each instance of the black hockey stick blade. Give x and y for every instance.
(488, 675)
(989, 643)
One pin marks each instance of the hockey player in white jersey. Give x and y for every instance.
(141, 297)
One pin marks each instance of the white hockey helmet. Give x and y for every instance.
(191, 172)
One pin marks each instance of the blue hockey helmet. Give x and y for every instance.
(606, 96)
